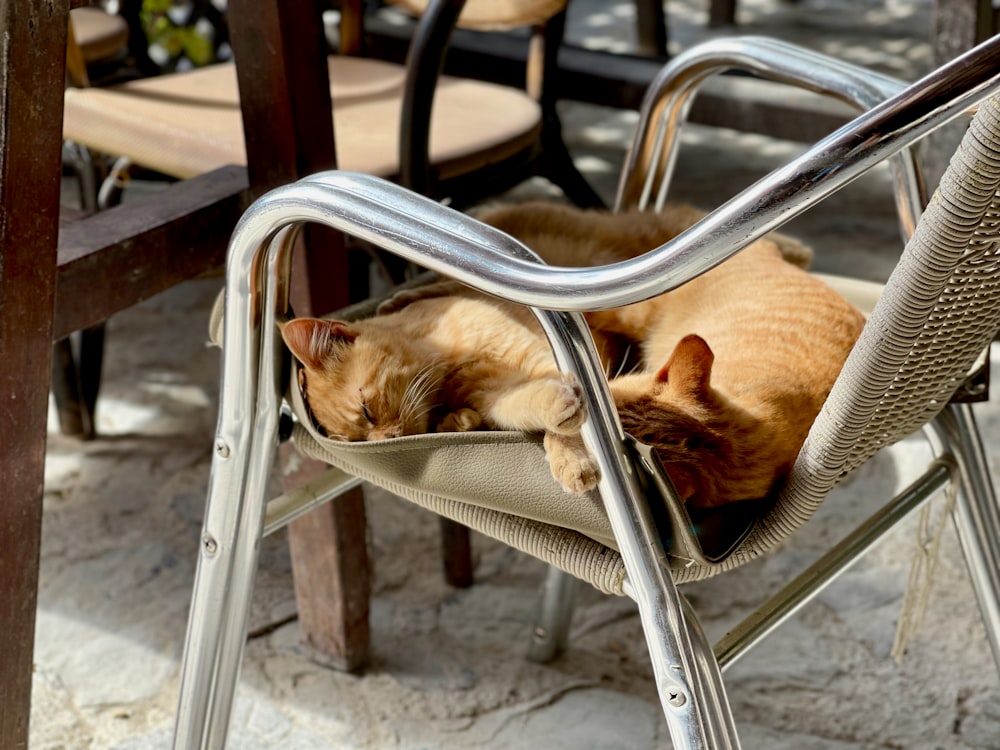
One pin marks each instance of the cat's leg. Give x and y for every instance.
(570, 462)
(462, 420)
(406, 297)
(553, 404)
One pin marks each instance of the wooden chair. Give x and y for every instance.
(482, 138)
(451, 138)
(915, 364)
(53, 281)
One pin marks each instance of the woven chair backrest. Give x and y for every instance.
(939, 311)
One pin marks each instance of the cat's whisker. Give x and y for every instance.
(417, 393)
(628, 351)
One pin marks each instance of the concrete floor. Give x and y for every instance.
(122, 522)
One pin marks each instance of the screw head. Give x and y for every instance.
(676, 698)
(221, 448)
(209, 544)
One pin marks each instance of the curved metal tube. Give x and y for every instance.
(446, 241)
(452, 244)
(653, 153)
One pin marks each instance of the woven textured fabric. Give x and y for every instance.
(939, 311)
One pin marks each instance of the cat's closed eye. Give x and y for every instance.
(367, 413)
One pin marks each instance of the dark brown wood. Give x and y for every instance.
(456, 553)
(74, 420)
(332, 584)
(651, 27)
(116, 258)
(280, 56)
(721, 13)
(32, 59)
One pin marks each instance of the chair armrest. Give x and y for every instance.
(455, 245)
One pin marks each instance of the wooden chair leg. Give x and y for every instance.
(32, 75)
(91, 366)
(721, 13)
(456, 553)
(558, 166)
(331, 569)
(73, 416)
(651, 27)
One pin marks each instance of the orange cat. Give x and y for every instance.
(735, 365)
(445, 363)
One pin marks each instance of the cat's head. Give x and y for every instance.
(669, 409)
(363, 382)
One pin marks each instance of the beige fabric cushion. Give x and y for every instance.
(489, 15)
(189, 123)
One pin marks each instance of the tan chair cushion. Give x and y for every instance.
(492, 15)
(99, 34)
(190, 123)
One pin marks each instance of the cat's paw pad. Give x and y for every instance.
(463, 420)
(571, 463)
(565, 411)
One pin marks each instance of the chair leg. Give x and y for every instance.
(976, 514)
(721, 13)
(651, 27)
(245, 448)
(91, 366)
(687, 677)
(456, 553)
(76, 379)
(551, 631)
(558, 166)
(73, 417)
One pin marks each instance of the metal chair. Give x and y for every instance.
(939, 311)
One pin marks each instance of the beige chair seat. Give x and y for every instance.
(99, 34)
(189, 123)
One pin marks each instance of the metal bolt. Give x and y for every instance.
(211, 546)
(676, 698)
(222, 448)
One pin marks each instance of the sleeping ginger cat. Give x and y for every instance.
(734, 365)
(446, 363)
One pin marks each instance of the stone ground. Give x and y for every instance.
(122, 521)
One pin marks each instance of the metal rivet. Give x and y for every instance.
(210, 545)
(221, 448)
(676, 698)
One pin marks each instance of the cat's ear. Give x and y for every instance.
(690, 366)
(314, 341)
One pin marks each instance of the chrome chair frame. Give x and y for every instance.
(686, 671)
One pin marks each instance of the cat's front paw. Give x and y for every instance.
(564, 411)
(463, 420)
(570, 462)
